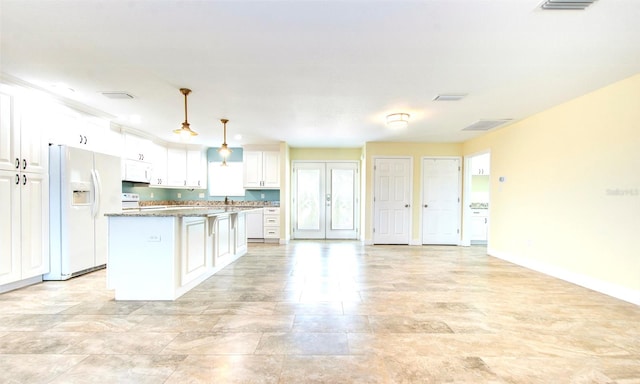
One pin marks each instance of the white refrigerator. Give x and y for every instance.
(83, 187)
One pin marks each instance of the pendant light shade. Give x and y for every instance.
(224, 150)
(185, 132)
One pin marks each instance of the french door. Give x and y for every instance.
(441, 201)
(325, 200)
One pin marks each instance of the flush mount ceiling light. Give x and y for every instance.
(185, 132)
(398, 120)
(224, 150)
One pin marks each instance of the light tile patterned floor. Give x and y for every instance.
(327, 312)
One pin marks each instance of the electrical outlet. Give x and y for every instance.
(201, 195)
(179, 195)
(151, 195)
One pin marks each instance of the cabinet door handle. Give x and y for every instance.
(17, 179)
(24, 163)
(426, 205)
(406, 205)
(24, 179)
(17, 163)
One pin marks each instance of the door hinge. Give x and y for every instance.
(459, 169)
(374, 230)
(458, 199)
(458, 231)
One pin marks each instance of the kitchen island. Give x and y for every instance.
(161, 254)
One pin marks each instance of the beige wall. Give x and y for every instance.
(570, 202)
(415, 150)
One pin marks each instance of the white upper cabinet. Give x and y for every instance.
(23, 147)
(480, 165)
(79, 130)
(196, 168)
(261, 169)
(159, 161)
(137, 148)
(176, 167)
(186, 168)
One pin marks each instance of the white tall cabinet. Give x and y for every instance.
(24, 192)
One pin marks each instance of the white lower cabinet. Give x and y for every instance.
(195, 249)
(223, 237)
(271, 223)
(479, 226)
(24, 248)
(255, 225)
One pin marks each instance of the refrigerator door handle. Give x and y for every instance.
(97, 189)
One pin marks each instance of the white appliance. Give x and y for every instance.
(130, 201)
(83, 187)
(136, 171)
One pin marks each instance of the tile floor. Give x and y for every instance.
(327, 312)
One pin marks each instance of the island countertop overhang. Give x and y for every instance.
(182, 212)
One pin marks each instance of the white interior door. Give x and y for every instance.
(392, 200)
(325, 200)
(441, 201)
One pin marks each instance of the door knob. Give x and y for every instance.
(406, 205)
(426, 205)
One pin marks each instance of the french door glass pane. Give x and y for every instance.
(308, 207)
(342, 192)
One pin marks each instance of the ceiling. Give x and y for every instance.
(317, 73)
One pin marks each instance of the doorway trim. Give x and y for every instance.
(357, 196)
(466, 207)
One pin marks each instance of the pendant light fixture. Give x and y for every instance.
(224, 150)
(185, 132)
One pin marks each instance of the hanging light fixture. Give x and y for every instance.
(398, 120)
(224, 150)
(185, 132)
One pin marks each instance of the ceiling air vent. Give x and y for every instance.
(449, 97)
(117, 95)
(485, 125)
(567, 4)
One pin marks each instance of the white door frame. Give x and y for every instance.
(373, 208)
(356, 193)
(422, 192)
(466, 207)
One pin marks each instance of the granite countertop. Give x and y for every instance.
(182, 211)
(208, 204)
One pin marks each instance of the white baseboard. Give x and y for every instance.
(610, 289)
(20, 284)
